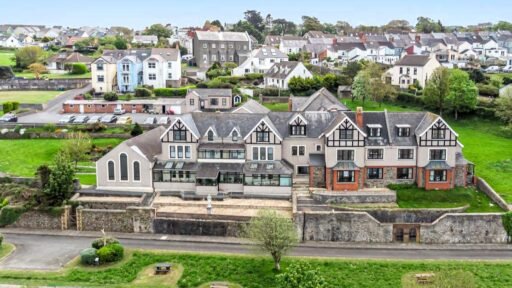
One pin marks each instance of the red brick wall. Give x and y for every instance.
(99, 108)
(345, 186)
(328, 179)
(440, 185)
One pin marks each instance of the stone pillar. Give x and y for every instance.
(328, 179)
(79, 226)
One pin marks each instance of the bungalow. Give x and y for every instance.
(57, 63)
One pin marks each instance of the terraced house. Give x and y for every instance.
(262, 154)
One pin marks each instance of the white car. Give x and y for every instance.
(150, 120)
(507, 69)
(163, 120)
(119, 111)
(187, 57)
(492, 69)
(94, 119)
(67, 119)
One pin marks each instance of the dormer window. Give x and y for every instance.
(403, 130)
(234, 136)
(298, 126)
(210, 135)
(438, 133)
(374, 130)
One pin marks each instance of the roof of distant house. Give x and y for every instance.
(413, 60)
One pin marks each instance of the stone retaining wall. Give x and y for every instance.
(464, 229)
(35, 219)
(489, 191)
(133, 219)
(34, 84)
(399, 216)
(198, 227)
(355, 197)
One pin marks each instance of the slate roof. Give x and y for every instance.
(413, 60)
(268, 52)
(169, 54)
(400, 118)
(293, 41)
(148, 143)
(348, 46)
(251, 106)
(322, 100)
(205, 93)
(222, 36)
(281, 70)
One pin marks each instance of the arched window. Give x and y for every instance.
(123, 162)
(234, 135)
(111, 171)
(210, 135)
(136, 171)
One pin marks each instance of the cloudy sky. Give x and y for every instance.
(139, 14)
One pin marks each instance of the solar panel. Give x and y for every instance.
(168, 165)
(254, 166)
(270, 166)
(179, 165)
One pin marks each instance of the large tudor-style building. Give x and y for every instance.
(260, 154)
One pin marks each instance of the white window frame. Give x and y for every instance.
(176, 152)
(298, 150)
(133, 172)
(404, 159)
(445, 153)
(377, 159)
(151, 65)
(353, 153)
(127, 167)
(108, 174)
(152, 76)
(266, 153)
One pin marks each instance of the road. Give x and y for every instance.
(37, 252)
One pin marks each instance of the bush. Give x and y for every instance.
(111, 253)
(271, 92)
(488, 90)
(136, 130)
(1, 239)
(78, 69)
(88, 255)
(98, 243)
(408, 98)
(96, 127)
(7, 107)
(254, 76)
(170, 92)
(143, 92)
(110, 96)
(9, 215)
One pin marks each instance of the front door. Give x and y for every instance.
(81, 108)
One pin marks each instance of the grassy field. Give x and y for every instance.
(22, 157)
(28, 97)
(277, 107)
(5, 250)
(374, 106)
(6, 58)
(409, 196)
(256, 272)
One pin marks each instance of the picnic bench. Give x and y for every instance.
(219, 285)
(425, 278)
(162, 268)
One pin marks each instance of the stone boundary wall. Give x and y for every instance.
(36, 219)
(274, 99)
(203, 216)
(198, 227)
(130, 220)
(52, 84)
(489, 191)
(400, 216)
(48, 135)
(340, 198)
(343, 227)
(468, 228)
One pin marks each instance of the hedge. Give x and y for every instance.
(9, 215)
(142, 92)
(78, 68)
(10, 106)
(110, 253)
(409, 98)
(110, 96)
(488, 90)
(271, 92)
(98, 243)
(88, 256)
(170, 92)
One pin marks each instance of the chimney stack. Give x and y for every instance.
(418, 38)
(359, 117)
(290, 104)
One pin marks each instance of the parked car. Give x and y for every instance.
(94, 119)
(492, 69)
(119, 111)
(163, 120)
(125, 120)
(507, 69)
(67, 119)
(150, 120)
(108, 119)
(81, 119)
(9, 117)
(187, 57)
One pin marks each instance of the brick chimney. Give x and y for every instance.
(362, 36)
(334, 41)
(359, 117)
(417, 38)
(290, 104)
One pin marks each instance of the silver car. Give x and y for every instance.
(81, 119)
(94, 119)
(163, 120)
(67, 119)
(150, 120)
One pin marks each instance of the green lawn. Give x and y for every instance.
(28, 97)
(410, 196)
(5, 58)
(6, 250)
(374, 106)
(277, 107)
(22, 157)
(29, 75)
(256, 272)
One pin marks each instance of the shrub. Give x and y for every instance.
(136, 130)
(254, 76)
(88, 255)
(98, 243)
(110, 96)
(170, 92)
(271, 92)
(15, 106)
(1, 239)
(507, 224)
(142, 92)
(96, 127)
(488, 90)
(408, 98)
(7, 107)
(9, 215)
(111, 253)
(78, 69)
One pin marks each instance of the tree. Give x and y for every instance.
(273, 233)
(352, 69)
(360, 87)
(436, 91)
(244, 26)
(255, 19)
(463, 94)
(506, 219)
(37, 69)
(282, 27)
(504, 107)
(402, 25)
(218, 24)
(78, 68)
(477, 76)
(329, 28)
(311, 24)
(136, 130)
(301, 275)
(503, 26)
(343, 27)
(428, 25)
(158, 30)
(43, 173)
(77, 146)
(60, 184)
(120, 43)
(28, 55)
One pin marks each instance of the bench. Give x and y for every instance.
(162, 268)
(425, 278)
(219, 285)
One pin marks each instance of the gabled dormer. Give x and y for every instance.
(235, 134)
(344, 133)
(180, 131)
(298, 126)
(438, 133)
(210, 134)
(403, 130)
(265, 133)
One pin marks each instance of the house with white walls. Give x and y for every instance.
(279, 75)
(412, 68)
(260, 61)
(162, 69)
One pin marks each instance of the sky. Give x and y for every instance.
(139, 14)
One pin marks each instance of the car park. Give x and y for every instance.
(150, 120)
(67, 119)
(81, 119)
(108, 119)
(125, 120)
(163, 120)
(119, 111)
(94, 119)
(9, 117)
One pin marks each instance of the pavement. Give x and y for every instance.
(50, 250)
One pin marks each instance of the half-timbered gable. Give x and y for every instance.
(263, 133)
(346, 134)
(298, 126)
(179, 131)
(438, 134)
